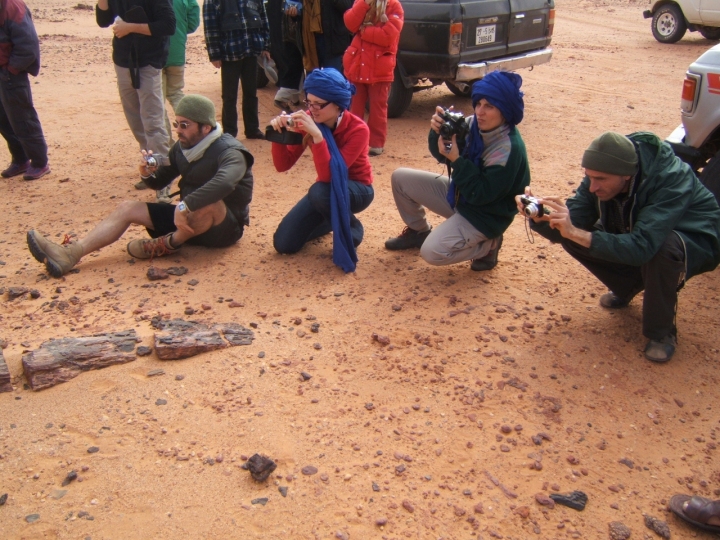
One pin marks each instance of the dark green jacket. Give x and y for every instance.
(187, 20)
(666, 197)
(488, 193)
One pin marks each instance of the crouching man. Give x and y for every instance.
(216, 188)
(640, 220)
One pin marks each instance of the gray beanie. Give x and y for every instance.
(197, 108)
(611, 153)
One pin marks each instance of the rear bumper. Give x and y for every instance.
(689, 154)
(471, 72)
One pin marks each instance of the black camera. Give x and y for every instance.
(455, 124)
(532, 207)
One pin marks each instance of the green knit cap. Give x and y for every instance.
(611, 153)
(197, 108)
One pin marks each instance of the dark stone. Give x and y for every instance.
(369, 406)
(575, 500)
(3, 499)
(72, 475)
(142, 350)
(5, 381)
(618, 531)
(32, 518)
(659, 527)
(193, 282)
(161, 402)
(155, 372)
(177, 338)
(627, 462)
(177, 270)
(375, 487)
(305, 376)
(34, 294)
(262, 500)
(261, 467)
(154, 274)
(93, 450)
(283, 490)
(179, 377)
(16, 292)
(309, 470)
(315, 328)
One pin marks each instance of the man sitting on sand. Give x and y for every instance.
(216, 188)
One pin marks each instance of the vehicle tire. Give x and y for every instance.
(262, 79)
(668, 24)
(399, 98)
(710, 176)
(708, 32)
(459, 92)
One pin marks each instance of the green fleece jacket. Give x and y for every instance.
(666, 197)
(187, 20)
(487, 194)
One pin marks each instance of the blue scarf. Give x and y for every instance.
(329, 84)
(501, 89)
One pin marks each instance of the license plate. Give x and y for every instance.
(485, 34)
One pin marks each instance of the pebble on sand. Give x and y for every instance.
(618, 531)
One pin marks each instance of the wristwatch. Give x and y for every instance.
(183, 207)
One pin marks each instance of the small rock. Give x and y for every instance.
(58, 494)
(261, 500)
(407, 505)
(72, 475)
(155, 372)
(575, 500)
(34, 294)
(16, 292)
(543, 499)
(618, 531)
(154, 274)
(627, 462)
(382, 340)
(32, 518)
(142, 350)
(261, 467)
(309, 470)
(315, 328)
(236, 304)
(659, 527)
(189, 310)
(193, 282)
(177, 270)
(375, 487)
(93, 450)
(381, 522)
(305, 376)
(283, 490)
(3, 499)
(179, 377)
(161, 401)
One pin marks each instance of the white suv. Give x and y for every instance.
(672, 18)
(697, 140)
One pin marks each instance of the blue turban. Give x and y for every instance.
(501, 89)
(329, 84)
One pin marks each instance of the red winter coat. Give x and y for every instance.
(370, 58)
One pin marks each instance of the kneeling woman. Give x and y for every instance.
(339, 142)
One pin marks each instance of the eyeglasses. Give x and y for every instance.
(181, 125)
(316, 106)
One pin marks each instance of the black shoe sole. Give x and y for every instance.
(53, 269)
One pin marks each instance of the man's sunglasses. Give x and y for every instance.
(316, 106)
(182, 125)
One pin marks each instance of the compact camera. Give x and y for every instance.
(455, 124)
(151, 161)
(532, 207)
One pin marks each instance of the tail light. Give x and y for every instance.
(689, 92)
(551, 22)
(455, 38)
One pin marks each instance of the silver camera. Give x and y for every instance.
(151, 161)
(532, 207)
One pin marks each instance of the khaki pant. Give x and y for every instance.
(173, 82)
(453, 241)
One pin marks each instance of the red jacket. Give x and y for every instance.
(351, 136)
(370, 58)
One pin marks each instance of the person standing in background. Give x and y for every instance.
(19, 122)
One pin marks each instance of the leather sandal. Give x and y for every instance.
(696, 510)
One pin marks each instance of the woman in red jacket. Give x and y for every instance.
(369, 61)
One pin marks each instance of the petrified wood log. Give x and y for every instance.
(5, 385)
(177, 338)
(60, 360)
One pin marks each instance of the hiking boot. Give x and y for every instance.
(375, 151)
(163, 195)
(141, 185)
(257, 134)
(408, 239)
(489, 261)
(58, 259)
(661, 351)
(14, 169)
(613, 301)
(149, 249)
(33, 173)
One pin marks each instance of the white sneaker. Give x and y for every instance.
(163, 195)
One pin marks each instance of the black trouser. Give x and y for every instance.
(244, 71)
(290, 73)
(659, 277)
(19, 122)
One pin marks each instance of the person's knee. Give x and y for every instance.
(431, 253)
(284, 243)
(319, 197)
(671, 251)
(130, 209)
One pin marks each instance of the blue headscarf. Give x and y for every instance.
(502, 90)
(329, 84)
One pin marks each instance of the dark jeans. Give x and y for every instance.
(310, 217)
(659, 277)
(325, 56)
(19, 122)
(244, 71)
(291, 71)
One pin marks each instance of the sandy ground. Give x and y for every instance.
(524, 347)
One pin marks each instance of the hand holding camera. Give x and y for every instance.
(149, 163)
